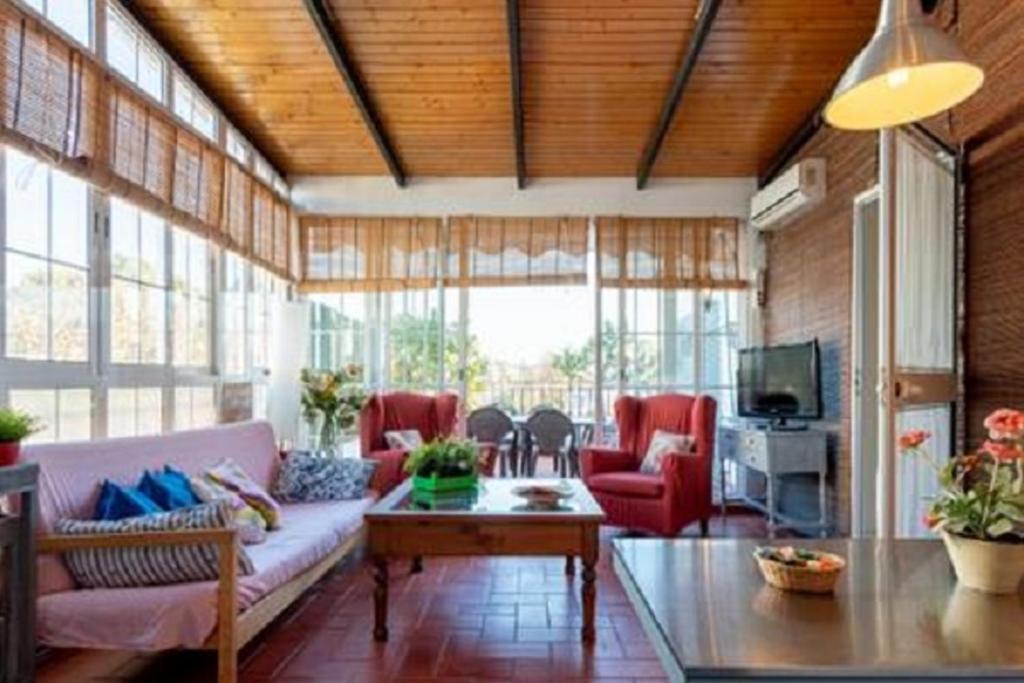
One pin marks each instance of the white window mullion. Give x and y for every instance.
(698, 342)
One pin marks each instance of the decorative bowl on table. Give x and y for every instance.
(544, 496)
(799, 569)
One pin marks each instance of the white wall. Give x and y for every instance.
(378, 195)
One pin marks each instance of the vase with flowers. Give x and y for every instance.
(331, 401)
(979, 509)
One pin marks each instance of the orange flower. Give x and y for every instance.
(1003, 451)
(930, 520)
(1005, 424)
(913, 439)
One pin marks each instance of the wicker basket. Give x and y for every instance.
(801, 579)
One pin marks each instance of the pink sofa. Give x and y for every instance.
(312, 538)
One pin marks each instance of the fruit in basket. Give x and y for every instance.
(799, 569)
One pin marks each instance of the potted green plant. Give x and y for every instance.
(331, 401)
(979, 509)
(443, 465)
(14, 426)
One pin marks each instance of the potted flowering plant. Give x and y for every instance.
(331, 402)
(14, 426)
(979, 510)
(443, 465)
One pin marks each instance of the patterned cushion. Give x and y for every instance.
(252, 527)
(404, 440)
(305, 478)
(663, 443)
(228, 474)
(150, 565)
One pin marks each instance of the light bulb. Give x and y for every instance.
(897, 78)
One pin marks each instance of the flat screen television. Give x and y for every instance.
(779, 382)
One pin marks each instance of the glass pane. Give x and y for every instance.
(204, 120)
(70, 314)
(124, 309)
(181, 331)
(152, 250)
(719, 360)
(120, 412)
(73, 16)
(41, 404)
(151, 72)
(182, 408)
(75, 418)
(679, 372)
(179, 259)
(199, 266)
(152, 331)
(199, 332)
(124, 239)
(925, 235)
(720, 312)
(916, 481)
(26, 307)
(26, 204)
(183, 97)
(204, 412)
(70, 219)
(149, 419)
(121, 45)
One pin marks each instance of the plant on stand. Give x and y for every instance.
(14, 427)
(979, 510)
(331, 402)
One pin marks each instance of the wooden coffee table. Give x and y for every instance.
(487, 521)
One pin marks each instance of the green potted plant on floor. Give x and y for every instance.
(979, 509)
(443, 466)
(14, 426)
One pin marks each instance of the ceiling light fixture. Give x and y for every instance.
(910, 70)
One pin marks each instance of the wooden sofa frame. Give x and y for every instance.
(233, 630)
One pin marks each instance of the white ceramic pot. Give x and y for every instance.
(986, 565)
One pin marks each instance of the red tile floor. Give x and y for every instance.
(462, 619)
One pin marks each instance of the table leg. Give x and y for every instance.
(589, 589)
(417, 565)
(380, 599)
(570, 565)
(822, 503)
(771, 505)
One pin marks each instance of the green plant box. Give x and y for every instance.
(436, 484)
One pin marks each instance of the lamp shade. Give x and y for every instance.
(910, 70)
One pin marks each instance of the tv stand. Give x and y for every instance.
(776, 452)
(780, 424)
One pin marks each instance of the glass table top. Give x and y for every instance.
(490, 497)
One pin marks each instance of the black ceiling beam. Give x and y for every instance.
(705, 18)
(516, 73)
(807, 129)
(139, 17)
(343, 62)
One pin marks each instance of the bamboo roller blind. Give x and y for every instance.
(60, 104)
(669, 253)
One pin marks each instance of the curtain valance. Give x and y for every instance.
(58, 103)
(487, 251)
(669, 253)
(352, 254)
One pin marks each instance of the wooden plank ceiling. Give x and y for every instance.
(595, 75)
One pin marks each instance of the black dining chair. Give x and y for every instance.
(491, 425)
(551, 433)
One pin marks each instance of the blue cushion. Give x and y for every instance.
(120, 502)
(169, 489)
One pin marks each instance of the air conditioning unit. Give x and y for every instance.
(797, 189)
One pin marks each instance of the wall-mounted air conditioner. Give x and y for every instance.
(797, 189)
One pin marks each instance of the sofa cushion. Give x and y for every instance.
(305, 478)
(117, 501)
(228, 474)
(169, 489)
(633, 484)
(184, 615)
(153, 565)
(252, 526)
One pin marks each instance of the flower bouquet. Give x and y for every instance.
(979, 509)
(331, 402)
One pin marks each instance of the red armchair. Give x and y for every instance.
(434, 417)
(660, 503)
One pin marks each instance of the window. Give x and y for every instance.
(138, 286)
(339, 330)
(233, 329)
(719, 344)
(191, 300)
(281, 187)
(136, 411)
(264, 171)
(194, 407)
(134, 56)
(47, 262)
(66, 414)
(265, 290)
(237, 147)
(192, 108)
(74, 17)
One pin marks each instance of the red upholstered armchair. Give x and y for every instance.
(432, 416)
(680, 494)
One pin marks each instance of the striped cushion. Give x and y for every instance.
(152, 565)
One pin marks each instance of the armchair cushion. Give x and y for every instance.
(632, 484)
(403, 439)
(663, 443)
(595, 460)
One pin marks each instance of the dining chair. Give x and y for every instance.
(491, 427)
(551, 432)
